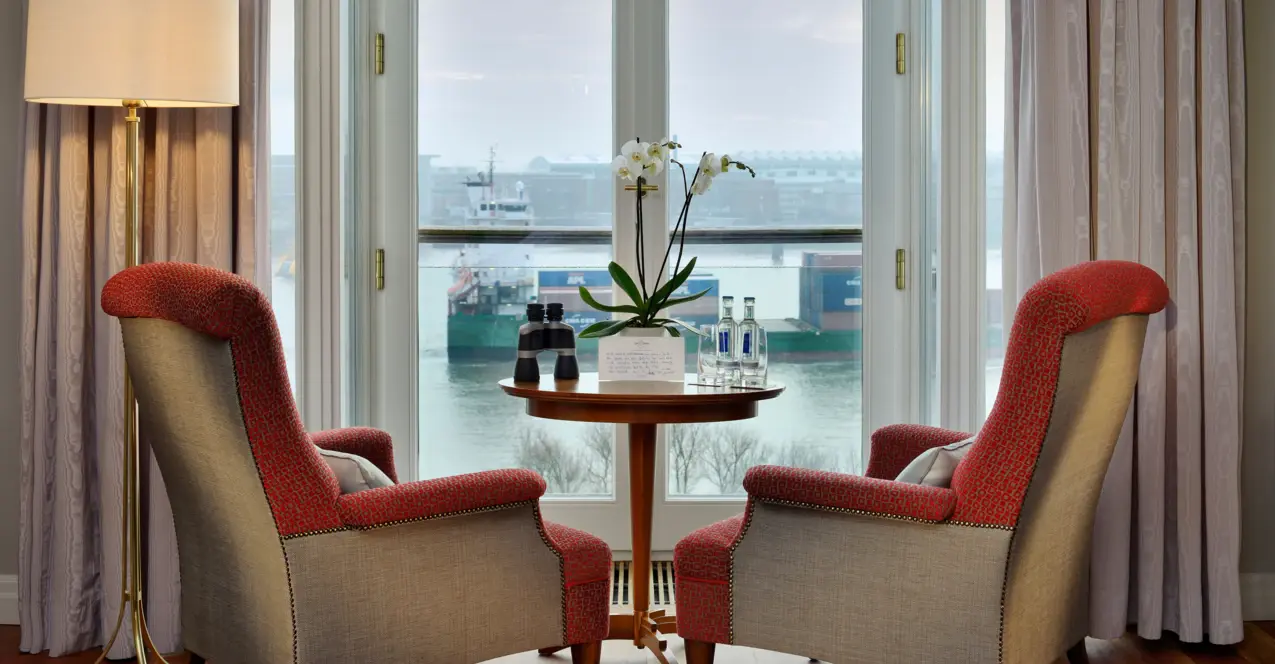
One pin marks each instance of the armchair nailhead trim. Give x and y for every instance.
(562, 565)
(431, 517)
(847, 510)
(743, 530)
(993, 526)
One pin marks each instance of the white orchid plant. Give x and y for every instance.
(636, 163)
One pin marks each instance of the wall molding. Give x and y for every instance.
(1257, 596)
(9, 599)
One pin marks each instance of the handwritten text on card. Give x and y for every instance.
(641, 358)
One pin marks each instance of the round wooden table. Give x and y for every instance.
(641, 405)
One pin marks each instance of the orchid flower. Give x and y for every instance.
(624, 169)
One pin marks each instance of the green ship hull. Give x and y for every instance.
(495, 337)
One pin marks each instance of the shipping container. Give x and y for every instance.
(831, 286)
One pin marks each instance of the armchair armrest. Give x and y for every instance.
(895, 446)
(371, 444)
(837, 491)
(445, 496)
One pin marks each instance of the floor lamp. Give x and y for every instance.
(135, 54)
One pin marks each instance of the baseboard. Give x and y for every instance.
(8, 599)
(1257, 594)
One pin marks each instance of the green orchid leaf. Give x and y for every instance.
(667, 323)
(604, 328)
(672, 331)
(658, 297)
(621, 308)
(589, 331)
(626, 283)
(683, 300)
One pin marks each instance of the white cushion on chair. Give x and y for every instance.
(354, 472)
(935, 466)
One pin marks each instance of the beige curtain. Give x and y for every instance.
(204, 203)
(1127, 132)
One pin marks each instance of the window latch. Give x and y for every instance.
(900, 269)
(380, 269)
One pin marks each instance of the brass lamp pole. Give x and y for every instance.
(135, 53)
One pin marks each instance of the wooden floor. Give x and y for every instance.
(1258, 648)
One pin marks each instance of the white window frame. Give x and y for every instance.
(383, 391)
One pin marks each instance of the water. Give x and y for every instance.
(469, 425)
(474, 426)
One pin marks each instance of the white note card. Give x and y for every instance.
(641, 358)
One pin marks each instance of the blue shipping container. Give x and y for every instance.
(602, 279)
(843, 290)
(574, 278)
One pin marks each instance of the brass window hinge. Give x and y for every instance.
(380, 53)
(380, 269)
(900, 53)
(900, 269)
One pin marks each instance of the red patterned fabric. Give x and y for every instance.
(440, 497)
(371, 444)
(895, 446)
(992, 480)
(849, 492)
(300, 487)
(702, 567)
(586, 568)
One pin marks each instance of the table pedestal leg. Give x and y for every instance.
(645, 631)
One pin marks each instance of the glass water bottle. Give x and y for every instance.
(727, 347)
(752, 347)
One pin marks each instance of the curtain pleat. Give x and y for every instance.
(202, 203)
(1164, 96)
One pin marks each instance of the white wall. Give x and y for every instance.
(12, 22)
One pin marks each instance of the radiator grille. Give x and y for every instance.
(661, 588)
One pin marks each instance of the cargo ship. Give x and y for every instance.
(492, 285)
(487, 309)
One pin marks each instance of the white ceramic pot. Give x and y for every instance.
(643, 332)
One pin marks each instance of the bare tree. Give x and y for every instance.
(800, 454)
(730, 454)
(599, 440)
(686, 450)
(563, 469)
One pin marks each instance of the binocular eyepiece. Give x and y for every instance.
(539, 334)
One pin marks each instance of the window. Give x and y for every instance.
(997, 324)
(514, 132)
(283, 170)
(809, 295)
(507, 133)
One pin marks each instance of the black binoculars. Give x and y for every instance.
(537, 335)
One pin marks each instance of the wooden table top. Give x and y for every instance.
(588, 389)
(637, 402)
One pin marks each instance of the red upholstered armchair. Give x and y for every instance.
(276, 564)
(994, 569)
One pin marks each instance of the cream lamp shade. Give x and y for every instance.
(159, 52)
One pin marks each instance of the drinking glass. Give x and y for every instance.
(706, 358)
(753, 372)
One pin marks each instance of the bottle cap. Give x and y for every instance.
(750, 300)
(728, 298)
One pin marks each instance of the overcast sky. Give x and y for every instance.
(535, 78)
